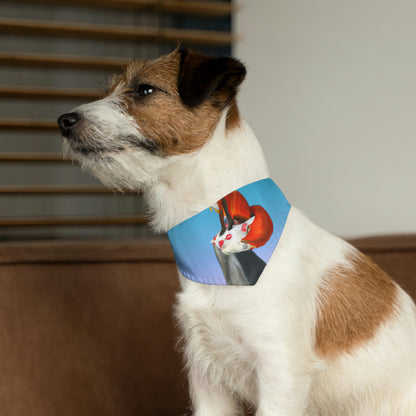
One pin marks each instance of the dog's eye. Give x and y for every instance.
(143, 90)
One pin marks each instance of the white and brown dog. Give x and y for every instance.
(324, 331)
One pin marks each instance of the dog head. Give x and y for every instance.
(153, 112)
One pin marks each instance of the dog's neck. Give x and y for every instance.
(190, 183)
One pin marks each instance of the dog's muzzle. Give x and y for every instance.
(67, 123)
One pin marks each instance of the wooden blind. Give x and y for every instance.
(55, 55)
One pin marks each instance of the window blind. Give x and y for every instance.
(55, 55)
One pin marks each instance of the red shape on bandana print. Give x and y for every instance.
(221, 243)
(228, 237)
(244, 227)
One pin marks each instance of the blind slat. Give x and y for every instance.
(60, 61)
(61, 29)
(58, 190)
(28, 125)
(48, 93)
(116, 220)
(202, 8)
(31, 157)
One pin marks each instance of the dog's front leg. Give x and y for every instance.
(283, 386)
(209, 399)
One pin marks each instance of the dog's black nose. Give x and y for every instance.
(67, 121)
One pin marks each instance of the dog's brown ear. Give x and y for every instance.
(202, 77)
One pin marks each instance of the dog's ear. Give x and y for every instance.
(202, 77)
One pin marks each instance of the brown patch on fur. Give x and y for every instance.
(353, 303)
(233, 116)
(163, 119)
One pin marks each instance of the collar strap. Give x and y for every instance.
(231, 242)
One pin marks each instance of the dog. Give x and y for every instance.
(324, 331)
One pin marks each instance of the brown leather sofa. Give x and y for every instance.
(86, 328)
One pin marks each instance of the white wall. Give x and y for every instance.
(331, 95)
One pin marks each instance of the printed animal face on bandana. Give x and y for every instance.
(243, 227)
(232, 240)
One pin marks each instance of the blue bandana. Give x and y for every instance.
(231, 242)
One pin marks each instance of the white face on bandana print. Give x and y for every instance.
(230, 241)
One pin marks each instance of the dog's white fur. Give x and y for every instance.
(257, 343)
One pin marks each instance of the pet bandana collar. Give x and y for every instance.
(231, 242)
